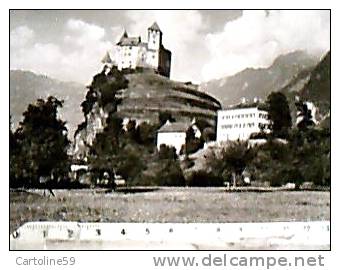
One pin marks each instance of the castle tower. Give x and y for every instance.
(107, 59)
(124, 36)
(154, 37)
(131, 52)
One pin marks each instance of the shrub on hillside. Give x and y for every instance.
(166, 152)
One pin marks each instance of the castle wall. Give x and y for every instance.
(152, 59)
(164, 64)
(128, 57)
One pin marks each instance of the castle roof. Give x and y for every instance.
(107, 58)
(155, 26)
(130, 41)
(124, 36)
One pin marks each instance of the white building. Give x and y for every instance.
(173, 135)
(131, 52)
(240, 123)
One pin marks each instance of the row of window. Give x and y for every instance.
(238, 116)
(130, 63)
(245, 115)
(143, 56)
(244, 125)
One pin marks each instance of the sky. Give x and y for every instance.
(206, 44)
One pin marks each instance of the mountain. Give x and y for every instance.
(313, 85)
(251, 83)
(318, 88)
(26, 87)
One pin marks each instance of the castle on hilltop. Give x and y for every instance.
(132, 53)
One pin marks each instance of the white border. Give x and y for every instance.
(143, 260)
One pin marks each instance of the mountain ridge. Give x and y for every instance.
(26, 87)
(259, 82)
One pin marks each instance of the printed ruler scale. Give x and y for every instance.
(309, 235)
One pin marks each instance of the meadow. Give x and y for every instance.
(181, 205)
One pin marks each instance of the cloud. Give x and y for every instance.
(81, 32)
(258, 37)
(76, 58)
(200, 50)
(21, 36)
(116, 33)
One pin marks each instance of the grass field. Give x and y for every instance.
(168, 205)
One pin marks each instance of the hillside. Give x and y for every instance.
(251, 82)
(149, 94)
(26, 87)
(143, 98)
(318, 87)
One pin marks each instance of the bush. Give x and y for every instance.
(306, 158)
(166, 152)
(192, 144)
(163, 172)
(204, 179)
(146, 133)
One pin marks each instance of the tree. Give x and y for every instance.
(39, 149)
(103, 153)
(279, 114)
(167, 152)
(102, 91)
(131, 130)
(305, 116)
(163, 169)
(209, 134)
(273, 164)
(192, 144)
(234, 159)
(146, 133)
(230, 161)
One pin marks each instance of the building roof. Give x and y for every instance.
(174, 127)
(124, 36)
(155, 26)
(236, 108)
(107, 58)
(130, 41)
